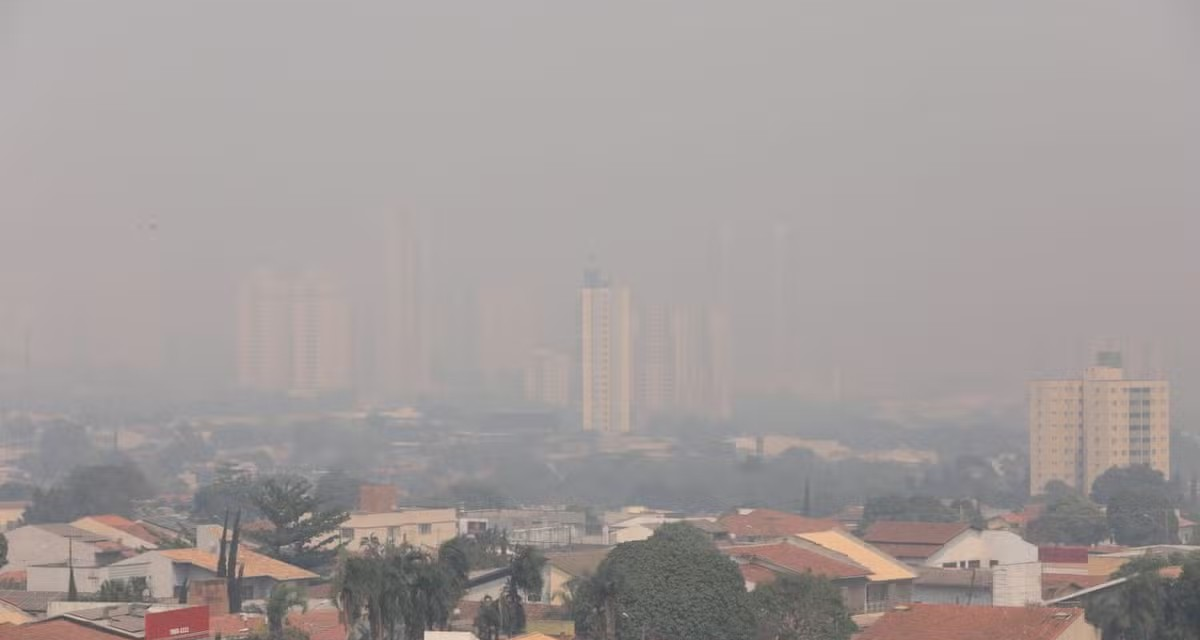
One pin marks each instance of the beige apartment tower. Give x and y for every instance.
(606, 356)
(1078, 429)
(294, 334)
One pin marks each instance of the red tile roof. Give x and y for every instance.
(913, 539)
(322, 624)
(766, 523)
(757, 574)
(958, 622)
(56, 629)
(796, 559)
(128, 526)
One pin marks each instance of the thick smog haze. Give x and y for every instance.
(971, 195)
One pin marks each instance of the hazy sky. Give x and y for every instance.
(978, 190)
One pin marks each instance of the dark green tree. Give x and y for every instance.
(805, 607)
(395, 592)
(230, 490)
(233, 582)
(86, 491)
(525, 578)
(283, 598)
(909, 509)
(1139, 505)
(3, 550)
(1069, 519)
(488, 620)
(1134, 610)
(338, 491)
(301, 532)
(676, 584)
(131, 590)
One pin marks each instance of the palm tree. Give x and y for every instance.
(592, 601)
(283, 598)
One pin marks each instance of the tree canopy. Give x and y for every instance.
(89, 491)
(914, 509)
(1139, 505)
(676, 584)
(301, 530)
(805, 607)
(1069, 519)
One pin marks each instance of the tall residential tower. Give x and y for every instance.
(605, 356)
(1078, 429)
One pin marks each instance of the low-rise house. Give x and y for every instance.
(564, 566)
(959, 622)
(119, 529)
(11, 513)
(949, 545)
(166, 571)
(33, 603)
(935, 585)
(125, 621)
(426, 528)
(43, 544)
(890, 581)
(764, 563)
(544, 528)
(757, 525)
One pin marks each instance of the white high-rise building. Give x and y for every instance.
(606, 356)
(294, 334)
(1078, 429)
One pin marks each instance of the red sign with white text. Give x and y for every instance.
(189, 623)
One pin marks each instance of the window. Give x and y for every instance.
(994, 563)
(425, 528)
(973, 564)
(949, 565)
(347, 534)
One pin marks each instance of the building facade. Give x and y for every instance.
(294, 334)
(606, 356)
(548, 378)
(1078, 429)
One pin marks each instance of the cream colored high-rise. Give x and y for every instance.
(1078, 429)
(548, 378)
(681, 362)
(606, 356)
(321, 343)
(294, 334)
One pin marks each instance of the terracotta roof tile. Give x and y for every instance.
(134, 529)
(757, 574)
(56, 629)
(796, 559)
(766, 523)
(256, 563)
(958, 622)
(898, 532)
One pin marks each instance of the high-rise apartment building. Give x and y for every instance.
(321, 336)
(1078, 429)
(293, 334)
(681, 366)
(548, 378)
(606, 356)
(402, 367)
(264, 333)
